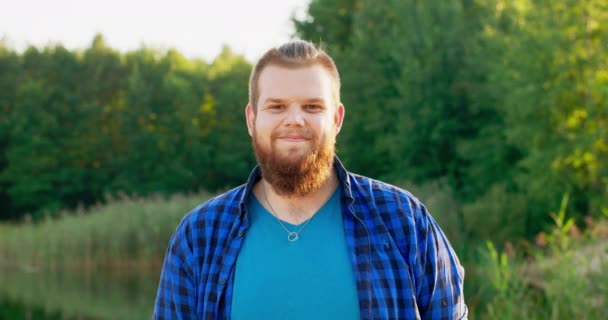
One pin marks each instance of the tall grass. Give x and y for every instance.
(561, 276)
(121, 233)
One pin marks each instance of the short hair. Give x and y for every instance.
(293, 55)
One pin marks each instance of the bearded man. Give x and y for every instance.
(304, 238)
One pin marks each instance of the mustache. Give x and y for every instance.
(306, 134)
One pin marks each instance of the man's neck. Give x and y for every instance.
(295, 209)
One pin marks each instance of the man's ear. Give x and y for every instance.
(250, 117)
(339, 117)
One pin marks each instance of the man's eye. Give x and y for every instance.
(312, 107)
(276, 107)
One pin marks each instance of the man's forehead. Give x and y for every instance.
(312, 81)
(310, 71)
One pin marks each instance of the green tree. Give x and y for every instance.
(556, 106)
(44, 135)
(10, 69)
(228, 142)
(419, 107)
(329, 22)
(76, 125)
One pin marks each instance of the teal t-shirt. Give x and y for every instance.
(311, 278)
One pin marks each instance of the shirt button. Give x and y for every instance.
(223, 281)
(240, 234)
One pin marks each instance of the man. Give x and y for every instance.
(304, 238)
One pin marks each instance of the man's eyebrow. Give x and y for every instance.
(273, 100)
(315, 100)
(277, 100)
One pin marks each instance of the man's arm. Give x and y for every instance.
(176, 297)
(440, 277)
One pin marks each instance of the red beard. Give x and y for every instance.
(296, 176)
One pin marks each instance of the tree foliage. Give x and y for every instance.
(78, 126)
(506, 101)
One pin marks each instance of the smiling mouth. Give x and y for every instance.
(293, 138)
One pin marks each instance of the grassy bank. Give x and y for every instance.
(561, 275)
(572, 285)
(123, 233)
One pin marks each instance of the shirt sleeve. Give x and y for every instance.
(176, 296)
(440, 277)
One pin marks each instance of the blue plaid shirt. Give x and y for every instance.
(404, 266)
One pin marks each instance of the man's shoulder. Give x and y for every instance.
(393, 209)
(383, 193)
(223, 207)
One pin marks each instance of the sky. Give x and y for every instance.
(196, 28)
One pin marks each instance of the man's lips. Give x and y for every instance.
(292, 138)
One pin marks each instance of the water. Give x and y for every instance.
(76, 295)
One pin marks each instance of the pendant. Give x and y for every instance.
(293, 236)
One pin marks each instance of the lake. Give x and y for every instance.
(45, 295)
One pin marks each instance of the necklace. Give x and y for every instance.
(292, 236)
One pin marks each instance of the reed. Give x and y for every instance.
(123, 233)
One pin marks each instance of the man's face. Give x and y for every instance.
(295, 127)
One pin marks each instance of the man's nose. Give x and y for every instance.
(294, 116)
